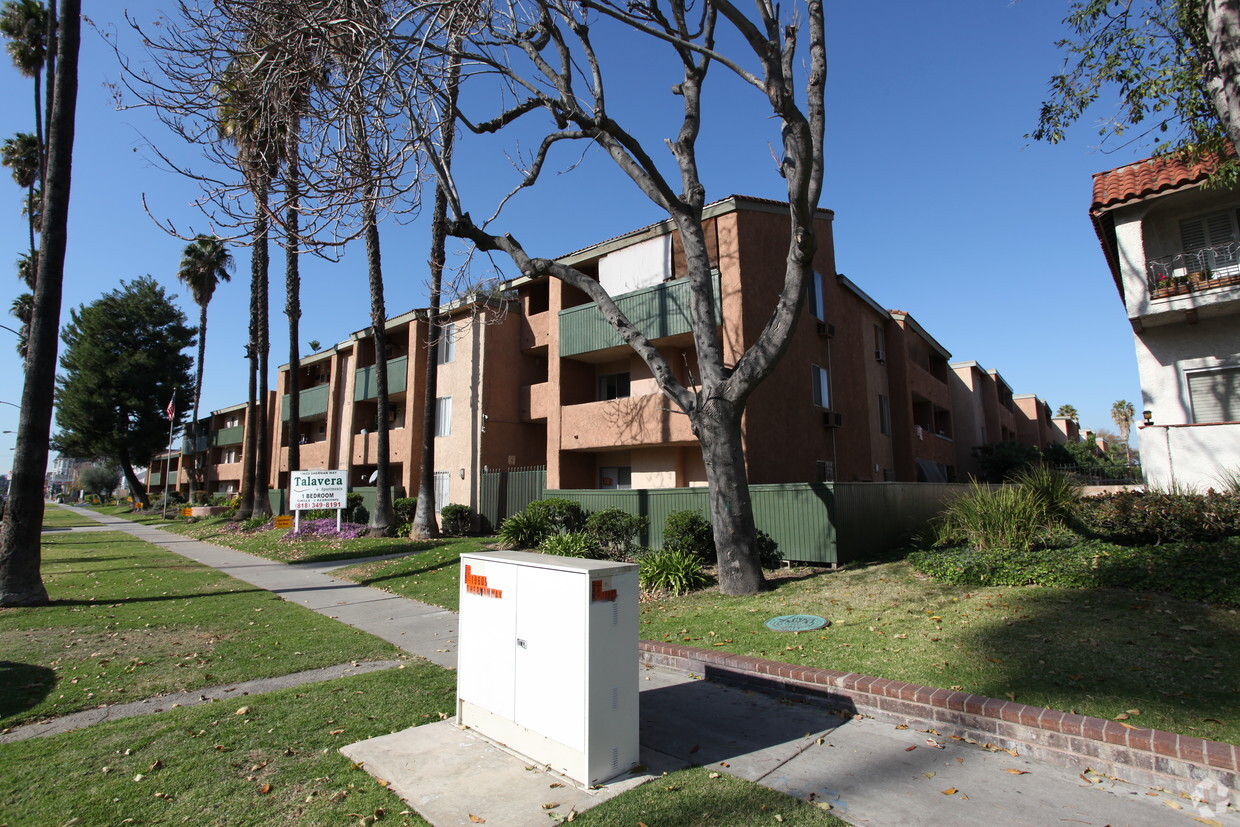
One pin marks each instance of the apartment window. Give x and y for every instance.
(443, 489)
(1215, 395)
(1211, 238)
(446, 351)
(880, 343)
(613, 386)
(817, 303)
(884, 415)
(822, 386)
(443, 416)
(826, 470)
(230, 455)
(615, 477)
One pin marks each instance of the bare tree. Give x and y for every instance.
(544, 55)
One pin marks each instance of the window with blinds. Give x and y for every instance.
(1215, 395)
(1209, 241)
(443, 416)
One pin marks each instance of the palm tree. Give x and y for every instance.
(1069, 412)
(21, 154)
(1122, 412)
(20, 309)
(205, 262)
(24, 24)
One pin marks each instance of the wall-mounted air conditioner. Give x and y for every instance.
(880, 356)
(831, 419)
(827, 331)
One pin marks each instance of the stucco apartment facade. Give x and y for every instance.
(532, 375)
(1173, 248)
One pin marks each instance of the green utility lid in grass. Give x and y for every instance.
(797, 623)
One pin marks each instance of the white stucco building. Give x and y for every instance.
(1174, 250)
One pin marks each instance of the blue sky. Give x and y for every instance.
(943, 209)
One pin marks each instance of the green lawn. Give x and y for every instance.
(56, 517)
(432, 576)
(1096, 652)
(129, 621)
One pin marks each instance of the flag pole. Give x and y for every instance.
(171, 412)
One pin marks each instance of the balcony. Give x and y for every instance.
(312, 455)
(535, 331)
(366, 385)
(621, 423)
(534, 402)
(659, 312)
(366, 448)
(227, 436)
(313, 402)
(1207, 269)
(196, 446)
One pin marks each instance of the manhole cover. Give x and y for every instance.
(796, 623)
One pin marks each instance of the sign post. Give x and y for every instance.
(315, 490)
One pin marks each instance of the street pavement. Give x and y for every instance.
(869, 771)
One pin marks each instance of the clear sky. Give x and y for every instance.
(942, 208)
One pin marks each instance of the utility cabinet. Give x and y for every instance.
(547, 660)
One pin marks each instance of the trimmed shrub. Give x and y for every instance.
(690, 532)
(573, 544)
(561, 514)
(455, 519)
(354, 511)
(1138, 518)
(615, 532)
(673, 570)
(525, 529)
(403, 509)
(1194, 571)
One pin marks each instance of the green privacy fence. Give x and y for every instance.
(504, 493)
(821, 523)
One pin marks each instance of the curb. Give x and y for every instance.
(1149, 757)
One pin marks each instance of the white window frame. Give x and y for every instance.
(443, 416)
(443, 489)
(445, 349)
(606, 378)
(820, 379)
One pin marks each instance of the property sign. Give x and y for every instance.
(317, 489)
(284, 521)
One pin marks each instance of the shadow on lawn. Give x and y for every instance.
(22, 686)
(443, 564)
(1104, 652)
(153, 599)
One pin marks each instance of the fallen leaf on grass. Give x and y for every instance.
(242, 710)
(713, 775)
(335, 732)
(263, 790)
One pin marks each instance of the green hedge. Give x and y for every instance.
(1140, 518)
(1198, 571)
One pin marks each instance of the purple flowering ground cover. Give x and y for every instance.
(316, 541)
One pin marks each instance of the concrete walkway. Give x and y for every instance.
(869, 771)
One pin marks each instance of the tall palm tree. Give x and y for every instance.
(25, 24)
(20, 309)
(1068, 411)
(21, 154)
(205, 262)
(1122, 412)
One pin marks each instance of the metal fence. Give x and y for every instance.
(506, 492)
(820, 523)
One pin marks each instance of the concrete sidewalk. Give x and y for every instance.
(871, 772)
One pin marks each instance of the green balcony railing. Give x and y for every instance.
(194, 446)
(366, 385)
(659, 311)
(231, 436)
(313, 403)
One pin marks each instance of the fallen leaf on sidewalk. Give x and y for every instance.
(1175, 805)
(1016, 771)
(950, 791)
(477, 819)
(910, 748)
(930, 742)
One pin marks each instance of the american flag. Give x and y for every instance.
(171, 410)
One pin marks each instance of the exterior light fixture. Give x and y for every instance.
(1148, 416)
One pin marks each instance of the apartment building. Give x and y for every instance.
(533, 375)
(1173, 248)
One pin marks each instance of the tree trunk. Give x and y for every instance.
(381, 518)
(1222, 23)
(21, 583)
(245, 508)
(718, 428)
(292, 305)
(425, 526)
(196, 463)
(262, 457)
(137, 490)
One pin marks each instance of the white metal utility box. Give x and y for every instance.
(547, 660)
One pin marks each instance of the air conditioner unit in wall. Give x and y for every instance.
(827, 331)
(880, 356)
(831, 419)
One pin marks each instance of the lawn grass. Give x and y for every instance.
(1097, 652)
(1149, 659)
(129, 620)
(274, 763)
(56, 517)
(432, 576)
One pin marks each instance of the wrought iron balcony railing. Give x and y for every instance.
(1202, 269)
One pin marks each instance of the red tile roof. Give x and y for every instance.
(1148, 177)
